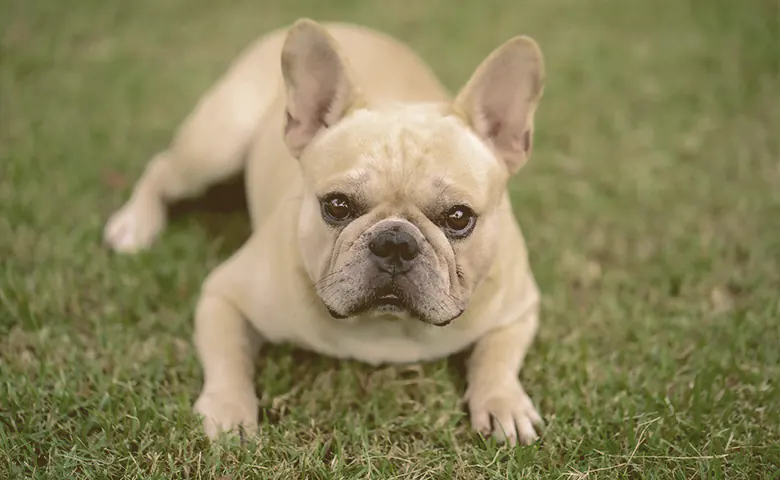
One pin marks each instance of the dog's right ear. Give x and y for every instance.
(320, 90)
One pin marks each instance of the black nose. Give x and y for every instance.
(394, 250)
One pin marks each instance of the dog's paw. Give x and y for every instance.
(505, 411)
(135, 226)
(226, 411)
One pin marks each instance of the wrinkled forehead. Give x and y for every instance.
(404, 153)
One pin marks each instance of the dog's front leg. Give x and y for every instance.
(226, 346)
(497, 401)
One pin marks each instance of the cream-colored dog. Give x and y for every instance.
(382, 227)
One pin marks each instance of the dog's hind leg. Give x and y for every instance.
(209, 147)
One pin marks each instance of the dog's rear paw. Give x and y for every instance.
(227, 412)
(135, 226)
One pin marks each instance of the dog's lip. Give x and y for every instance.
(389, 299)
(336, 314)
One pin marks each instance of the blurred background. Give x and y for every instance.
(651, 208)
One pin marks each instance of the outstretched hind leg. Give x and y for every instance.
(209, 147)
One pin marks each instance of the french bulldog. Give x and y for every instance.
(382, 230)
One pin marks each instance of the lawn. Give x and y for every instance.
(651, 208)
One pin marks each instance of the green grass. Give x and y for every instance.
(651, 206)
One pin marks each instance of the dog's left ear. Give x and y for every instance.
(501, 97)
(319, 86)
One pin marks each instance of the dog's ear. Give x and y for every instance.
(500, 99)
(319, 86)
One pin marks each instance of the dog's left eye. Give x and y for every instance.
(336, 208)
(459, 221)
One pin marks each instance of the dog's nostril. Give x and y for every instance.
(392, 244)
(408, 249)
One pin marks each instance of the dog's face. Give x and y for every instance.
(400, 208)
(398, 213)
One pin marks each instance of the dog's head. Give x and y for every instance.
(401, 203)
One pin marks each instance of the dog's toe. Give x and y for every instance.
(227, 413)
(135, 226)
(506, 412)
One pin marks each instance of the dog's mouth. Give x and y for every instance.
(388, 300)
(380, 302)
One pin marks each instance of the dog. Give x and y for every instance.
(382, 229)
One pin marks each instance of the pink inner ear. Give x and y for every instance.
(504, 135)
(290, 123)
(493, 125)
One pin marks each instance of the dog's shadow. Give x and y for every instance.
(222, 212)
(302, 367)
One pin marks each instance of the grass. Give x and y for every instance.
(651, 207)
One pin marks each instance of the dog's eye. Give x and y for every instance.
(336, 208)
(459, 221)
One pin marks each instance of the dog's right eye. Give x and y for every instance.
(336, 209)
